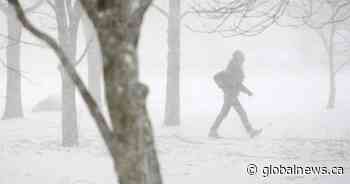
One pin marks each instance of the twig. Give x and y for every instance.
(82, 56)
(18, 72)
(21, 41)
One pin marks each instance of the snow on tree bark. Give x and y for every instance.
(118, 26)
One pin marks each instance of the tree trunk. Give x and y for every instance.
(67, 36)
(172, 103)
(69, 112)
(332, 81)
(118, 24)
(332, 90)
(94, 60)
(69, 109)
(132, 137)
(13, 106)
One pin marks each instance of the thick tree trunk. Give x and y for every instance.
(94, 60)
(118, 25)
(172, 103)
(132, 142)
(13, 106)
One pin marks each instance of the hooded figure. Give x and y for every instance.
(231, 82)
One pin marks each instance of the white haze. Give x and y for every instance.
(285, 68)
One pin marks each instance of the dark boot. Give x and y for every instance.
(213, 134)
(254, 132)
(244, 118)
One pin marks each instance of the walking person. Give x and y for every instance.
(231, 83)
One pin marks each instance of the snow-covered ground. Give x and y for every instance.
(290, 107)
(30, 152)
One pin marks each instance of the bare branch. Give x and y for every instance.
(186, 13)
(21, 41)
(90, 7)
(239, 17)
(34, 7)
(160, 10)
(18, 72)
(341, 67)
(70, 70)
(5, 8)
(135, 20)
(84, 52)
(51, 4)
(76, 10)
(325, 42)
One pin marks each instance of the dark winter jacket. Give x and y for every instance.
(231, 82)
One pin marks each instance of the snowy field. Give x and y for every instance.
(288, 104)
(295, 132)
(30, 152)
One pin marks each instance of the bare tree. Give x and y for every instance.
(172, 103)
(68, 16)
(172, 98)
(251, 17)
(175, 15)
(327, 19)
(13, 104)
(130, 141)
